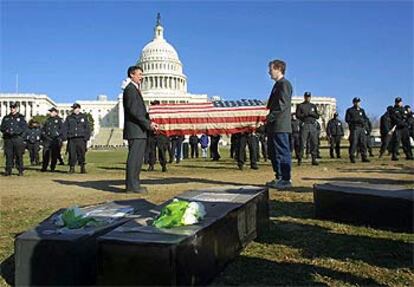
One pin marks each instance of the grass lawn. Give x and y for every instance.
(297, 250)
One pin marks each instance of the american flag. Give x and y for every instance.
(212, 118)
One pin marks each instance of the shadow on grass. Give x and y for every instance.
(111, 168)
(373, 180)
(269, 273)
(402, 170)
(234, 166)
(7, 270)
(112, 185)
(319, 242)
(294, 209)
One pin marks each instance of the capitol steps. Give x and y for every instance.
(108, 137)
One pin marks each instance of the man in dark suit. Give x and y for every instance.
(279, 126)
(136, 127)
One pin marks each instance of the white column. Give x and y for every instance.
(27, 109)
(22, 108)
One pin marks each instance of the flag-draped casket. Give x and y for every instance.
(212, 118)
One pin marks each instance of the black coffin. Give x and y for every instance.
(138, 254)
(377, 205)
(43, 256)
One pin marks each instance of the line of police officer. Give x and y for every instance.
(17, 135)
(396, 126)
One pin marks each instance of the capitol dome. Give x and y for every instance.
(163, 69)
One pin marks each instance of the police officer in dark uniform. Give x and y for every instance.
(295, 136)
(248, 139)
(77, 132)
(32, 137)
(399, 118)
(386, 130)
(307, 113)
(13, 127)
(52, 139)
(356, 117)
(335, 132)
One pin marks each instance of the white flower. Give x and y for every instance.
(193, 213)
(76, 211)
(198, 209)
(189, 219)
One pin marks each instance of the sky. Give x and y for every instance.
(76, 50)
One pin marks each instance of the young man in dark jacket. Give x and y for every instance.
(279, 128)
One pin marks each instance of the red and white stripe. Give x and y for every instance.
(205, 118)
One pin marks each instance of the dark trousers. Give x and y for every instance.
(214, 150)
(403, 136)
(295, 144)
(150, 156)
(232, 145)
(235, 142)
(251, 142)
(162, 147)
(385, 143)
(136, 150)
(13, 150)
(309, 132)
(335, 144)
(369, 144)
(357, 141)
(279, 153)
(51, 149)
(176, 147)
(59, 156)
(33, 149)
(77, 150)
(194, 150)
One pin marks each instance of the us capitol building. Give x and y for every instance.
(164, 80)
